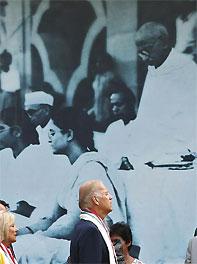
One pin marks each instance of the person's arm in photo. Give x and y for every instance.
(44, 222)
(63, 227)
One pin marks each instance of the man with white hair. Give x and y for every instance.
(166, 118)
(164, 130)
(91, 242)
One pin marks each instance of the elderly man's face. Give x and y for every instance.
(151, 53)
(105, 199)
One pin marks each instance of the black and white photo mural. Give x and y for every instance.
(99, 89)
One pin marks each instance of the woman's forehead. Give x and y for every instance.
(52, 126)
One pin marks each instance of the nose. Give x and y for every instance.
(115, 109)
(49, 136)
(143, 57)
(110, 197)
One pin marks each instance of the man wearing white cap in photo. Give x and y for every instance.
(36, 170)
(38, 105)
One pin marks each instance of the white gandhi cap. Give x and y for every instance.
(38, 97)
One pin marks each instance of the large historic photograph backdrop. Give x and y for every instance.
(84, 54)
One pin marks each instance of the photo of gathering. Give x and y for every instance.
(98, 132)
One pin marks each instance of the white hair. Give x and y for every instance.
(151, 31)
(6, 219)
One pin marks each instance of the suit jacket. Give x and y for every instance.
(88, 245)
(191, 254)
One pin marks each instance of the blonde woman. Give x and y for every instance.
(8, 233)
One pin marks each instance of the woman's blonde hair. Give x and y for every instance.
(6, 219)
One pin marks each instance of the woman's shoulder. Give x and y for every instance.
(2, 256)
(90, 160)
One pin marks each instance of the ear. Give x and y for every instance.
(128, 244)
(95, 200)
(70, 134)
(163, 42)
(16, 131)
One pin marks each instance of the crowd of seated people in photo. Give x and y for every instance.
(47, 149)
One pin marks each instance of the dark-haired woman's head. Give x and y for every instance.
(70, 126)
(121, 231)
(16, 126)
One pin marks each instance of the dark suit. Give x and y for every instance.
(88, 245)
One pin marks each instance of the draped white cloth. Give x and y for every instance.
(103, 230)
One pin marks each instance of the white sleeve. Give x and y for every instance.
(188, 253)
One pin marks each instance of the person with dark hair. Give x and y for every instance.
(16, 132)
(122, 100)
(21, 175)
(121, 237)
(71, 135)
(73, 119)
(4, 206)
(122, 106)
